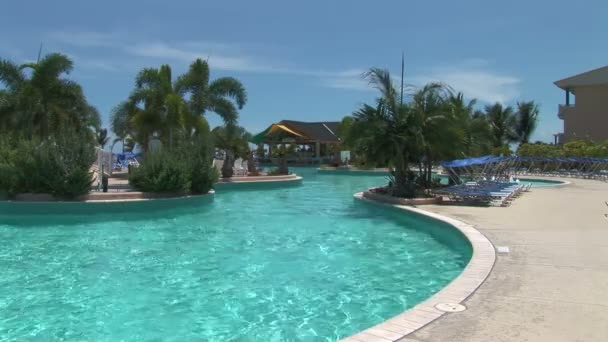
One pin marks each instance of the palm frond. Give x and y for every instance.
(10, 74)
(225, 109)
(229, 87)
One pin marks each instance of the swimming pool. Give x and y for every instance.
(444, 178)
(300, 263)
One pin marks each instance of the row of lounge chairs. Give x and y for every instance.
(571, 173)
(239, 168)
(484, 192)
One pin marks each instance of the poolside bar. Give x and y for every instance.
(316, 142)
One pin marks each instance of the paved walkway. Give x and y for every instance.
(553, 286)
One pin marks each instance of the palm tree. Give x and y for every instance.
(384, 134)
(159, 107)
(149, 106)
(527, 119)
(45, 103)
(234, 140)
(214, 96)
(502, 124)
(102, 137)
(473, 127)
(120, 123)
(433, 123)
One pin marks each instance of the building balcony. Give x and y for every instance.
(565, 110)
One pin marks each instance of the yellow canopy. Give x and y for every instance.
(277, 127)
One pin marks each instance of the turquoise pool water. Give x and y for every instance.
(302, 263)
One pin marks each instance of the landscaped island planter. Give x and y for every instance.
(118, 204)
(102, 196)
(258, 182)
(372, 194)
(262, 178)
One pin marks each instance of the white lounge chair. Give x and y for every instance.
(238, 168)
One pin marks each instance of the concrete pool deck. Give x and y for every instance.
(552, 286)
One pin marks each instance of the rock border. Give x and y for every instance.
(259, 179)
(102, 197)
(400, 201)
(475, 273)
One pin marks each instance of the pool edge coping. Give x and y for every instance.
(267, 179)
(457, 291)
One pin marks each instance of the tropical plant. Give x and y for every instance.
(384, 133)
(184, 168)
(172, 110)
(102, 137)
(214, 96)
(526, 121)
(575, 148)
(434, 126)
(473, 126)
(58, 165)
(282, 153)
(539, 150)
(162, 171)
(234, 140)
(42, 102)
(502, 123)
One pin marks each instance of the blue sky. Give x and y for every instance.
(303, 60)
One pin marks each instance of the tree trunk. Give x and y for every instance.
(227, 167)
(404, 184)
(251, 166)
(283, 169)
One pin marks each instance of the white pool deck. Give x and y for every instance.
(553, 284)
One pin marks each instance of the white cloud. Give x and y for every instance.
(475, 80)
(220, 56)
(164, 51)
(86, 38)
(473, 77)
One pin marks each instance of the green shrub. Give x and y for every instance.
(276, 172)
(58, 165)
(161, 171)
(186, 168)
(203, 173)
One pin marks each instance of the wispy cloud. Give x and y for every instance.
(476, 80)
(86, 38)
(164, 51)
(348, 79)
(220, 56)
(474, 77)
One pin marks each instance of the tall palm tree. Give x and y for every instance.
(149, 108)
(502, 124)
(170, 110)
(433, 124)
(120, 123)
(234, 140)
(102, 137)
(473, 127)
(44, 103)
(384, 133)
(224, 96)
(527, 120)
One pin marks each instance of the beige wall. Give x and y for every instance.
(589, 119)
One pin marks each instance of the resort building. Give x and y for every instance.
(587, 116)
(317, 141)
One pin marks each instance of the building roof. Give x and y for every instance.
(299, 131)
(325, 131)
(593, 77)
